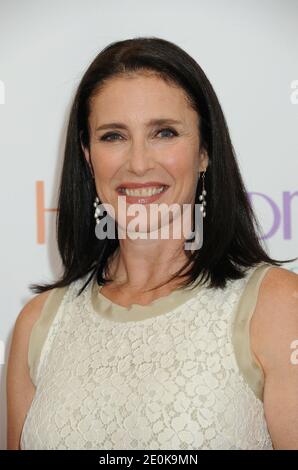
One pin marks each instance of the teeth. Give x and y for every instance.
(142, 191)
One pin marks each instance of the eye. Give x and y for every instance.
(106, 137)
(109, 134)
(169, 130)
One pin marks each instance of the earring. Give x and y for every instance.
(202, 196)
(97, 210)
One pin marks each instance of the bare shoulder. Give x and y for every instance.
(31, 310)
(276, 314)
(274, 341)
(24, 323)
(19, 388)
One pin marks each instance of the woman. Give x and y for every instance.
(142, 343)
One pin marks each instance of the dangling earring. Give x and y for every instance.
(202, 197)
(97, 209)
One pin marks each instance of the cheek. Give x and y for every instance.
(105, 166)
(181, 161)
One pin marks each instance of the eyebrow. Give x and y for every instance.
(152, 122)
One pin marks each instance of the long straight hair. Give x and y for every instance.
(232, 234)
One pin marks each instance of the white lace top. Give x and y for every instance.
(175, 374)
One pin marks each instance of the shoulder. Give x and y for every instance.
(277, 304)
(33, 307)
(31, 311)
(42, 306)
(27, 317)
(274, 338)
(275, 320)
(24, 323)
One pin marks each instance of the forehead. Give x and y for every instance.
(141, 94)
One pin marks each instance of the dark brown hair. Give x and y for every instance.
(232, 235)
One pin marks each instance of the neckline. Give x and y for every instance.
(110, 310)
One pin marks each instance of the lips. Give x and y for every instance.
(142, 198)
(128, 185)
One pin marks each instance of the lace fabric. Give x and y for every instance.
(166, 382)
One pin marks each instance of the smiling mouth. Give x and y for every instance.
(145, 192)
(142, 195)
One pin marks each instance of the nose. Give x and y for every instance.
(139, 157)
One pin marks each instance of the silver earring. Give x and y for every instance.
(202, 197)
(97, 209)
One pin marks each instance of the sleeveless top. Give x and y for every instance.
(177, 373)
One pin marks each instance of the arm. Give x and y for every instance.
(19, 388)
(274, 329)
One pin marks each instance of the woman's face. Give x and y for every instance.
(128, 147)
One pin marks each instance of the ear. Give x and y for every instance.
(204, 160)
